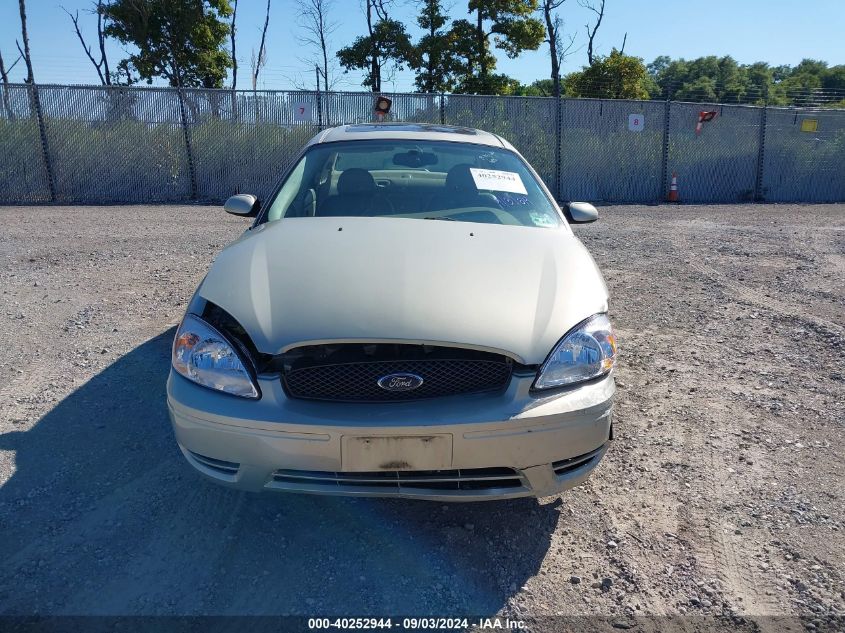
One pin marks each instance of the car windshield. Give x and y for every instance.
(434, 180)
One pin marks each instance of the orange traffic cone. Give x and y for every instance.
(673, 188)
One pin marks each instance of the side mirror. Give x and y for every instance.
(580, 212)
(243, 204)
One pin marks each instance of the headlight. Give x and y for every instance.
(587, 351)
(204, 355)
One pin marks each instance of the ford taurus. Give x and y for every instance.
(409, 315)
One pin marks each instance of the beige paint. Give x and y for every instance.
(508, 288)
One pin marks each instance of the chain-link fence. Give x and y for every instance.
(719, 164)
(97, 145)
(606, 157)
(806, 164)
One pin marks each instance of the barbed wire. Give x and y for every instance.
(605, 90)
(774, 94)
(818, 98)
(283, 77)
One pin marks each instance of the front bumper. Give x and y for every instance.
(499, 446)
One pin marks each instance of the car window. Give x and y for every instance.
(414, 179)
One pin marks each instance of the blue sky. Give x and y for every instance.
(775, 31)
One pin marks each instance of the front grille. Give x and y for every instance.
(471, 479)
(351, 373)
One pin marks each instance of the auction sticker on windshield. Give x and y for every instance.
(496, 180)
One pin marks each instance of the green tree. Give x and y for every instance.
(558, 48)
(540, 88)
(513, 29)
(465, 56)
(722, 79)
(759, 79)
(803, 84)
(731, 80)
(702, 88)
(659, 65)
(834, 78)
(493, 83)
(616, 76)
(433, 59)
(182, 41)
(394, 50)
(704, 79)
(668, 75)
(386, 47)
(779, 73)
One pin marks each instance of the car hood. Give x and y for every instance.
(509, 289)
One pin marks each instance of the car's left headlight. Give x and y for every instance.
(587, 351)
(205, 356)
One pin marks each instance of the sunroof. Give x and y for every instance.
(409, 127)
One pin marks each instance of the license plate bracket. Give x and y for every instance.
(391, 452)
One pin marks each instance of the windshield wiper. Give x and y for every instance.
(443, 218)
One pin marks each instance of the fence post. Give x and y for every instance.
(187, 134)
(761, 151)
(45, 146)
(558, 141)
(664, 164)
(442, 109)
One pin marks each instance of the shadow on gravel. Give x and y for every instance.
(101, 516)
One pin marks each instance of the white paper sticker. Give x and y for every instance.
(302, 112)
(636, 122)
(496, 180)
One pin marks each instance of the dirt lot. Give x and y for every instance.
(721, 496)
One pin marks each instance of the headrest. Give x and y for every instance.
(459, 178)
(355, 182)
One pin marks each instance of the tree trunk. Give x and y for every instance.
(551, 28)
(26, 56)
(325, 49)
(482, 58)
(591, 33)
(101, 38)
(232, 39)
(261, 58)
(234, 65)
(35, 101)
(429, 81)
(5, 78)
(375, 67)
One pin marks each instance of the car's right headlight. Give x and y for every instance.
(205, 356)
(587, 351)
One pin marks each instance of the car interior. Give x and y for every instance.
(400, 181)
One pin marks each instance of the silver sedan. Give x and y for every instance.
(409, 315)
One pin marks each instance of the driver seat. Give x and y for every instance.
(357, 195)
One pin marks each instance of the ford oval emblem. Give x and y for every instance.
(400, 382)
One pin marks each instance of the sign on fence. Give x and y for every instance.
(809, 125)
(636, 122)
(303, 112)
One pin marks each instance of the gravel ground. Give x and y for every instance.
(722, 495)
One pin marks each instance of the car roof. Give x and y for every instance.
(409, 131)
